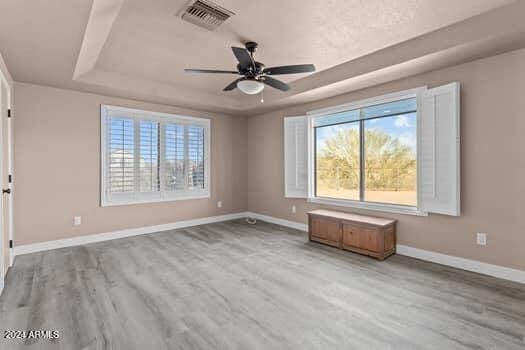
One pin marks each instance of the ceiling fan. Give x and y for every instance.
(254, 75)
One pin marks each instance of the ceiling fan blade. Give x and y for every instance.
(279, 85)
(232, 85)
(298, 68)
(243, 56)
(210, 71)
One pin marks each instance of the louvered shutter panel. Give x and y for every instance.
(440, 150)
(149, 147)
(174, 155)
(120, 157)
(296, 157)
(195, 146)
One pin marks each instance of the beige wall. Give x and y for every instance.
(493, 163)
(57, 161)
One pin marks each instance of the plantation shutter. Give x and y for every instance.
(296, 157)
(440, 150)
(120, 174)
(149, 165)
(195, 158)
(150, 157)
(174, 155)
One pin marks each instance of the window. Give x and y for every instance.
(337, 161)
(390, 156)
(152, 157)
(396, 153)
(368, 154)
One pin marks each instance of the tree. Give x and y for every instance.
(389, 164)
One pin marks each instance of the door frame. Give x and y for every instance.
(10, 172)
(3, 269)
(9, 164)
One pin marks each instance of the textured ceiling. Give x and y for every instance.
(149, 41)
(138, 49)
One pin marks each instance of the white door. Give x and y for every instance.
(5, 178)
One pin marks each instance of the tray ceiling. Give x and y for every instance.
(138, 49)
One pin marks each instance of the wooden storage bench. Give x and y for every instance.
(358, 233)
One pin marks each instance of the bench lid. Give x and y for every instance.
(371, 220)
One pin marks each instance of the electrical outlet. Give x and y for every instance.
(219, 204)
(77, 221)
(481, 238)
(294, 209)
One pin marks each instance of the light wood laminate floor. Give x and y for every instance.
(235, 286)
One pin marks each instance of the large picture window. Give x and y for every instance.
(368, 154)
(150, 157)
(397, 153)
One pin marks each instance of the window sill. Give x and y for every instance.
(114, 203)
(387, 208)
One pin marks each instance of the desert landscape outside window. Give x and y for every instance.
(368, 154)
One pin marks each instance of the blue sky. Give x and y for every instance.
(403, 127)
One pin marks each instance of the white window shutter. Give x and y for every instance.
(296, 157)
(151, 157)
(440, 150)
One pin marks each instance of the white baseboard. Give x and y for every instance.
(443, 259)
(86, 239)
(461, 263)
(464, 264)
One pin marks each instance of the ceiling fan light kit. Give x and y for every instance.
(250, 86)
(255, 75)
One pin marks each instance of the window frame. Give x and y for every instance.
(160, 196)
(361, 204)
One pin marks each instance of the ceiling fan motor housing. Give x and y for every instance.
(251, 71)
(254, 75)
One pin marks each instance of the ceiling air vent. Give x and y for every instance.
(206, 14)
